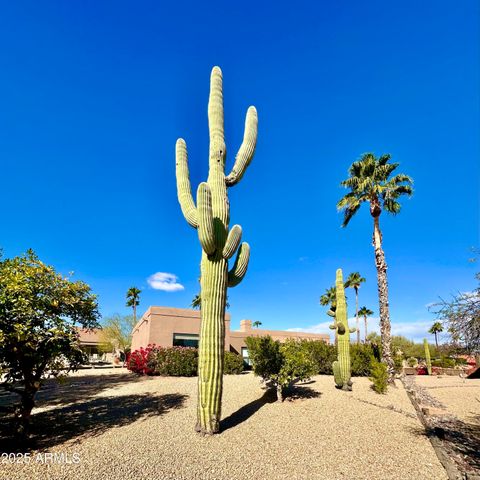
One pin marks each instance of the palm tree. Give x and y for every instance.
(133, 300)
(196, 302)
(436, 328)
(370, 182)
(329, 298)
(365, 312)
(256, 324)
(354, 281)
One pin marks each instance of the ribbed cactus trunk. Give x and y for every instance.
(211, 217)
(342, 367)
(427, 356)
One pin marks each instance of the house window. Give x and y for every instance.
(185, 340)
(246, 359)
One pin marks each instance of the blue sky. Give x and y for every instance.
(95, 94)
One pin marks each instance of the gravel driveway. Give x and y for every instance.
(125, 427)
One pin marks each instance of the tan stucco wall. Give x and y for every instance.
(160, 323)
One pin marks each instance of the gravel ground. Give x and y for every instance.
(128, 427)
(461, 397)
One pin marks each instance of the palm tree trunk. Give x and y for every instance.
(436, 340)
(365, 320)
(356, 316)
(134, 313)
(385, 326)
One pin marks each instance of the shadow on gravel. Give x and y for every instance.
(90, 418)
(245, 412)
(270, 396)
(459, 441)
(73, 389)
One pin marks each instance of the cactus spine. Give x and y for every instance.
(211, 218)
(342, 367)
(427, 356)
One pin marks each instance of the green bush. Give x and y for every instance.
(174, 361)
(233, 364)
(412, 362)
(322, 355)
(398, 363)
(280, 365)
(444, 362)
(379, 377)
(362, 357)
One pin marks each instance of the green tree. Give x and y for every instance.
(280, 364)
(39, 312)
(196, 302)
(256, 324)
(365, 313)
(370, 182)
(133, 300)
(329, 299)
(354, 281)
(116, 333)
(435, 329)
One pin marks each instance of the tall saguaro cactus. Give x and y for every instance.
(427, 356)
(211, 218)
(342, 366)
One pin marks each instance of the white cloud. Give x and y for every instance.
(168, 282)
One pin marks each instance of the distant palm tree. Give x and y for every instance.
(365, 312)
(133, 300)
(370, 182)
(256, 324)
(436, 328)
(354, 281)
(329, 298)
(197, 302)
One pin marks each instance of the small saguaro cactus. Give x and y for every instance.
(427, 356)
(342, 366)
(211, 217)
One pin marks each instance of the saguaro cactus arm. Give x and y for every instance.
(239, 269)
(233, 241)
(184, 191)
(247, 149)
(215, 116)
(205, 229)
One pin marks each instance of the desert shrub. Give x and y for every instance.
(322, 355)
(233, 364)
(412, 362)
(398, 363)
(139, 361)
(175, 361)
(460, 361)
(379, 377)
(280, 365)
(362, 356)
(444, 362)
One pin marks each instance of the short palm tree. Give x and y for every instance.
(196, 302)
(370, 182)
(256, 324)
(329, 299)
(365, 312)
(436, 328)
(354, 281)
(133, 300)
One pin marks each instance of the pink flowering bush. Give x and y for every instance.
(138, 360)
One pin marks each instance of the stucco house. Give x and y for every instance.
(166, 327)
